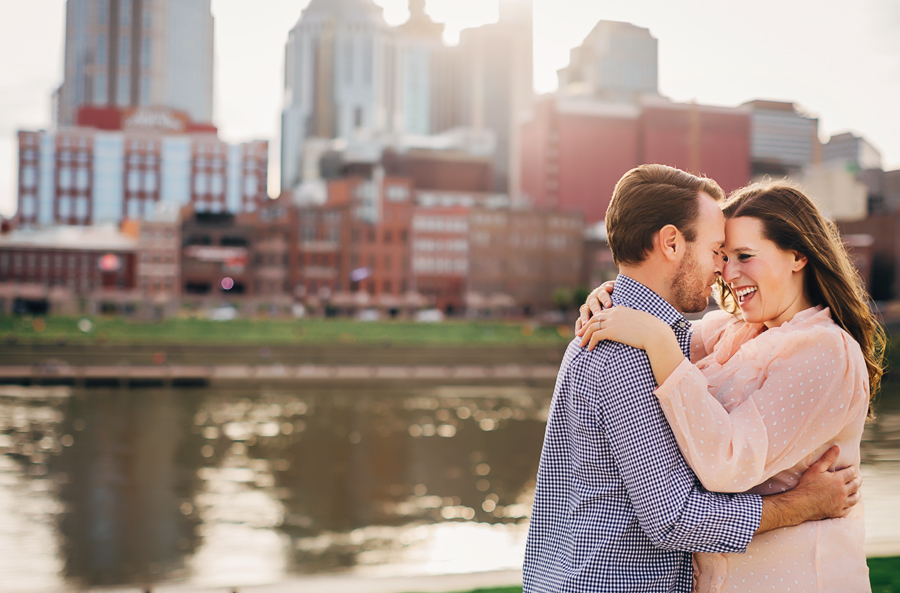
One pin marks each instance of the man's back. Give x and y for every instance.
(616, 508)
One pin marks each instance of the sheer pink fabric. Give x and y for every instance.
(751, 414)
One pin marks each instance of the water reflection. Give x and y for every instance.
(238, 487)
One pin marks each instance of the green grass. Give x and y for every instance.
(116, 330)
(884, 574)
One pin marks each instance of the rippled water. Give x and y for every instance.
(233, 487)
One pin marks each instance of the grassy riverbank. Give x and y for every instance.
(116, 330)
(884, 574)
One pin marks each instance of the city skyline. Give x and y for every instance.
(850, 86)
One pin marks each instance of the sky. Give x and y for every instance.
(839, 60)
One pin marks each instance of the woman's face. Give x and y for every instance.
(766, 281)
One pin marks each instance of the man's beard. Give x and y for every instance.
(688, 286)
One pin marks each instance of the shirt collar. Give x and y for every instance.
(635, 295)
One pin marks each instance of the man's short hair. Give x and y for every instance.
(646, 199)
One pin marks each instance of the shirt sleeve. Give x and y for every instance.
(813, 383)
(707, 332)
(672, 508)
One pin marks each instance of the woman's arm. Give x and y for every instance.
(814, 385)
(637, 329)
(706, 331)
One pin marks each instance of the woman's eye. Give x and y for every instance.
(744, 257)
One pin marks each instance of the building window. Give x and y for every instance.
(65, 178)
(124, 48)
(201, 183)
(81, 208)
(102, 50)
(145, 52)
(358, 117)
(29, 178)
(150, 181)
(134, 180)
(82, 178)
(218, 185)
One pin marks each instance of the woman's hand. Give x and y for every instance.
(598, 300)
(637, 329)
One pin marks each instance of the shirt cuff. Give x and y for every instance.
(755, 502)
(684, 368)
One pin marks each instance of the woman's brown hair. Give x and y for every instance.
(793, 222)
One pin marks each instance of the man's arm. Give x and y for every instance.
(671, 506)
(821, 494)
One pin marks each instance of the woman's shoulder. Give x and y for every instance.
(715, 320)
(815, 329)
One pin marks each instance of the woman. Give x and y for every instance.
(784, 372)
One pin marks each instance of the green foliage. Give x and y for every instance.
(116, 330)
(884, 574)
(580, 295)
(562, 298)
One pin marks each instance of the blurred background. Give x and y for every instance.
(284, 284)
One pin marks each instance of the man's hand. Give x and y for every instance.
(821, 494)
(829, 495)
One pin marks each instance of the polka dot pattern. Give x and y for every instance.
(752, 413)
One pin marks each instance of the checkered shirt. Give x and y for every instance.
(616, 506)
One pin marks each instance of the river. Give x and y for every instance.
(235, 487)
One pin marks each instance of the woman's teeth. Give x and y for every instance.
(744, 293)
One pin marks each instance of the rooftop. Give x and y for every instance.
(95, 238)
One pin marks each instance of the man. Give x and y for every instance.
(616, 506)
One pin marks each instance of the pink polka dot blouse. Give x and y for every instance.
(751, 411)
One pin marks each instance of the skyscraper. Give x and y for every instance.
(130, 53)
(425, 99)
(615, 62)
(338, 67)
(498, 85)
(348, 75)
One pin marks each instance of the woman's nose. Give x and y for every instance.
(730, 271)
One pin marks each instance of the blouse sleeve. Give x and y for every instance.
(707, 332)
(814, 382)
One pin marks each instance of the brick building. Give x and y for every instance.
(576, 149)
(440, 255)
(117, 164)
(215, 257)
(519, 258)
(67, 269)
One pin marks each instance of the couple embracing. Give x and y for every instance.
(721, 455)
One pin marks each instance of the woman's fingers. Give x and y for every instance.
(596, 338)
(585, 314)
(588, 332)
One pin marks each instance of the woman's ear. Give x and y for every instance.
(800, 261)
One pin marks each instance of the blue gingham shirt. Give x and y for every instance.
(616, 506)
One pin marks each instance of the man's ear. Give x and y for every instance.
(670, 242)
(800, 261)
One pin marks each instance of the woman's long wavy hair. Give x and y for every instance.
(793, 222)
